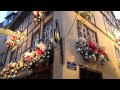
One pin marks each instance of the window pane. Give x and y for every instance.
(86, 33)
(13, 56)
(48, 32)
(117, 53)
(18, 54)
(31, 18)
(35, 41)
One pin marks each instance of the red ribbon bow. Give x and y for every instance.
(39, 51)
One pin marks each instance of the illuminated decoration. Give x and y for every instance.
(28, 56)
(11, 42)
(7, 32)
(85, 14)
(16, 40)
(41, 55)
(41, 46)
(91, 51)
(37, 15)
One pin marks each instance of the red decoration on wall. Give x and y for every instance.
(28, 58)
(92, 45)
(101, 51)
(11, 67)
(14, 38)
(39, 51)
(37, 14)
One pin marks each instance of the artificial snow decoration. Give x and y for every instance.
(41, 46)
(54, 44)
(80, 45)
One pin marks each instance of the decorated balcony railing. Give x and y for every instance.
(39, 15)
(41, 55)
(91, 51)
(85, 14)
(16, 40)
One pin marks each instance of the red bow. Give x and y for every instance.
(39, 51)
(36, 14)
(11, 67)
(92, 45)
(14, 38)
(101, 51)
(9, 44)
(28, 58)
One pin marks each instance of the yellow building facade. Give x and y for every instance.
(110, 70)
(67, 22)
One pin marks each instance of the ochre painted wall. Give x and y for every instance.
(109, 70)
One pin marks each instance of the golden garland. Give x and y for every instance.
(7, 32)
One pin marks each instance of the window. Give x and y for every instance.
(117, 53)
(25, 22)
(10, 19)
(107, 23)
(31, 18)
(35, 40)
(47, 32)
(2, 60)
(18, 54)
(21, 27)
(13, 56)
(108, 26)
(92, 35)
(85, 32)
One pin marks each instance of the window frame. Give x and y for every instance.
(13, 59)
(19, 53)
(44, 39)
(88, 30)
(30, 18)
(117, 51)
(2, 60)
(33, 36)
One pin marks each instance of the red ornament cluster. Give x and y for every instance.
(94, 47)
(12, 42)
(37, 15)
(39, 51)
